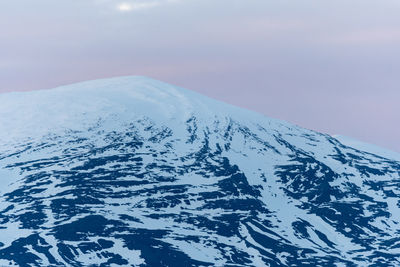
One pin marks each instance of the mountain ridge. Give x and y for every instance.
(120, 92)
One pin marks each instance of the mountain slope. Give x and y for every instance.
(373, 149)
(130, 171)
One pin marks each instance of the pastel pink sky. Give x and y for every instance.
(331, 66)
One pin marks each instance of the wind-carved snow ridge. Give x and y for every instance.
(134, 172)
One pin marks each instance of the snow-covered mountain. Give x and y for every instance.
(135, 172)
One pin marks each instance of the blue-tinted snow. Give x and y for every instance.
(131, 171)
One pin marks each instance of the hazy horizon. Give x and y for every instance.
(327, 66)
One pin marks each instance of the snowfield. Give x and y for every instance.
(131, 171)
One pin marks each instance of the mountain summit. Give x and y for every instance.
(134, 172)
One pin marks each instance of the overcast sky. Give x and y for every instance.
(331, 66)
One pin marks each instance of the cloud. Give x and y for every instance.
(126, 7)
(140, 5)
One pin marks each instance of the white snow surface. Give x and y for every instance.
(371, 148)
(66, 108)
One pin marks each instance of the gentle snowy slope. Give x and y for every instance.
(132, 171)
(36, 113)
(348, 141)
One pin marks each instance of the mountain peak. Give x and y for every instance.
(122, 98)
(72, 105)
